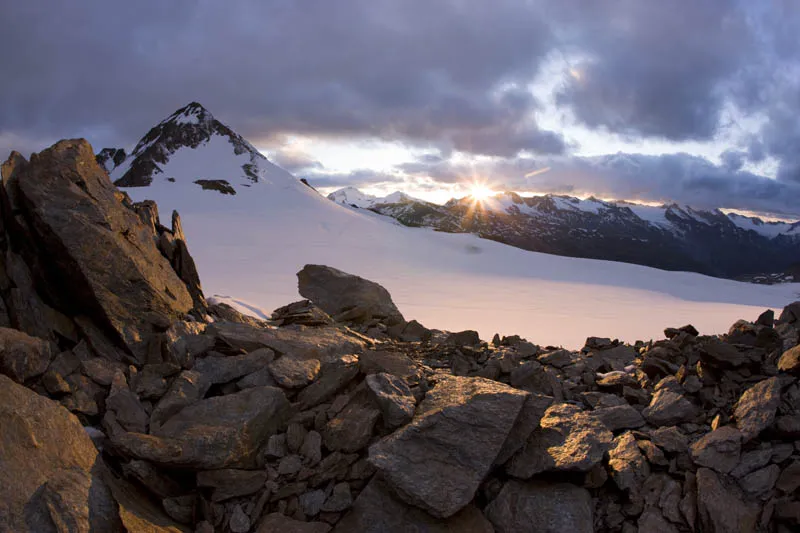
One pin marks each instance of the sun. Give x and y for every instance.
(480, 192)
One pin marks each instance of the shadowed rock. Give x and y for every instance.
(219, 432)
(378, 510)
(547, 508)
(438, 460)
(346, 297)
(102, 256)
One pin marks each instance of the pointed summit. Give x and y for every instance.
(193, 113)
(190, 127)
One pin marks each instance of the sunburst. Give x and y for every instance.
(480, 192)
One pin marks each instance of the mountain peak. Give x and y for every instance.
(192, 113)
(189, 127)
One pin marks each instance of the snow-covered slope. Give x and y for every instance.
(767, 229)
(248, 247)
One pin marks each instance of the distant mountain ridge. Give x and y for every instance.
(670, 236)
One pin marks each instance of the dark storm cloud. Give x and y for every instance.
(426, 72)
(654, 68)
(448, 75)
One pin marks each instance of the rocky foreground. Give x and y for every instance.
(127, 403)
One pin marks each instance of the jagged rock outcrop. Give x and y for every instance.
(101, 257)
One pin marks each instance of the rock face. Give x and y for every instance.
(567, 439)
(377, 510)
(394, 398)
(669, 408)
(102, 256)
(721, 506)
(52, 476)
(23, 357)
(756, 409)
(346, 297)
(719, 449)
(549, 508)
(468, 417)
(213, 433)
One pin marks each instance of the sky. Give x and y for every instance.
(669, 101)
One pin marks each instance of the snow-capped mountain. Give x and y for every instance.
(248, 247)
(355, 198)
(221, 159)
(670, 236)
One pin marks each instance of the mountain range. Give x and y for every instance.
(670, 237)
(252, 225)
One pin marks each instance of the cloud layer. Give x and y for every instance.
(448, 76)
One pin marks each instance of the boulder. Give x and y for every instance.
(276, 522)
(652, 521)
(756, 408)
(378, 510)
(188, 388)
(669, 408)
(789, 480)
(303, 313)
(323, 343)
(759, 483)
(567, 439)
(438, 460)
(49, 464)
(340, 499)
(790, 361)
(231, 483)
(346, 297)
(394, 398)
(720, 354)
(292, 372)
(217, 370)
(670, 439)
(463, 338)
(721, 506)
(543, 507)
(23, 357)
(334, 376)
(53, 478)
(392, 362)
(627, 465)
(619, 417)
(351, 429)
(107, 263)
(219, 432)
(720, 449)
(528, 420)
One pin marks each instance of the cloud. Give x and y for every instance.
(681, 178)
(445, 76)
(425, 72)
(655, 68)
(295, 161)
(356, 178)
